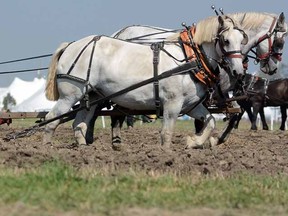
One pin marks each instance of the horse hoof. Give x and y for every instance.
(117, 143)
(191, 143)
(89, 141)
(166, 151)
(166, 148)
(117, 146)
(213, 141)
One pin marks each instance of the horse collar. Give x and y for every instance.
(194, 52)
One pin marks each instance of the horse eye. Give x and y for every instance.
(226, 42)
(278, 44)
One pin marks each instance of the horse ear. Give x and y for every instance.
(282, 17)
(221, 21)
(245, 38)
(281, 20)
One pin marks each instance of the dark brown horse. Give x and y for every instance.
(262, 93)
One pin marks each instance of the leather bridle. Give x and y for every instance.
(272, 45)
(228, 54)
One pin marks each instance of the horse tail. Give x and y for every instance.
(51, 84)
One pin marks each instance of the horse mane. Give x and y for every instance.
(206, 30)
(251, 20)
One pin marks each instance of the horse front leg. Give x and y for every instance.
(116, 125)
(263, 119)
(198, 139)
(198, 124)
(50, 128)
(238, 119)
(283, 117)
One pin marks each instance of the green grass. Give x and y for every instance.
(56, 187)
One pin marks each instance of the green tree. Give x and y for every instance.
(8, 102)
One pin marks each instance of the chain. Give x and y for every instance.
(24, 133)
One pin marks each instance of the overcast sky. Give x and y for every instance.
(37, 27)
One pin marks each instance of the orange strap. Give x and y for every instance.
(204, 75)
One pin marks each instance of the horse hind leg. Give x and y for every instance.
(49, 129)
(61, 107)
(90, 129)
(83, 125)
(116, 125)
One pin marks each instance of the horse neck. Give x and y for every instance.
(211, 54)
(256, 32)
(226, 81)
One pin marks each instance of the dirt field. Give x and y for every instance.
(262, 152)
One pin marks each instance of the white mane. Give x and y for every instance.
(251, 20)
(207, 29)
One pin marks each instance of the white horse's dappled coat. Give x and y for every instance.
(116, 65)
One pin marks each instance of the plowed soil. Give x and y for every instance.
(261, 152)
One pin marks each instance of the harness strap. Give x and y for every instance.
(78, 79)
(86, 96)
(156, 50)
(267, 36)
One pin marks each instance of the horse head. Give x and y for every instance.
(270, 46)
(229, 40)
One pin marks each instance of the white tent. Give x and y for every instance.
(35, 103)
(29, 95)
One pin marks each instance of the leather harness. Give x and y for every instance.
(194, 54)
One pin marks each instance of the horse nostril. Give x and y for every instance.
(234, 73)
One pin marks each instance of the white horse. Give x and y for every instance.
(105, 65)
(266, 33)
